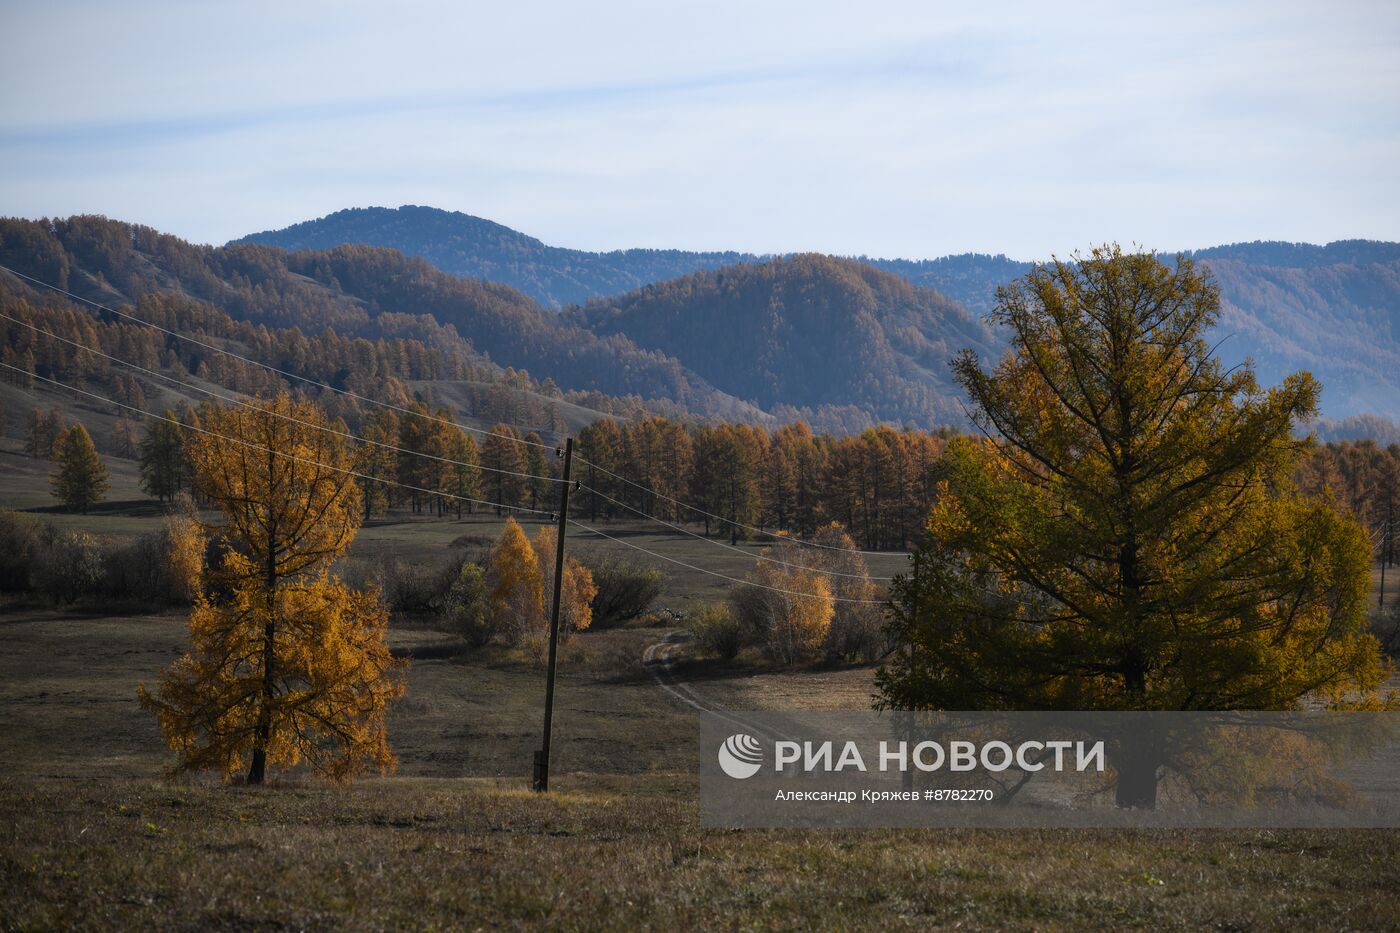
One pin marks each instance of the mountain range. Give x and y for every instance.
(1330, 309)
(841, 342)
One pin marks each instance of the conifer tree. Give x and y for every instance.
(161, 456)
(287, 663)
(517, 590)
(80, 481)
(503, 457)
(1128, 535)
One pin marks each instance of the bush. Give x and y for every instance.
(67, 566)
(719, 631)
(467, 606)
(71, 564)
(137, 569)
(19, 543)
(625, 591)
(410, 587)
(789, 613)
(857, 633)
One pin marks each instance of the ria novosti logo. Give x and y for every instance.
(741, 756)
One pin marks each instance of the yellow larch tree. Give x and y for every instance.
(577, 588)
(517, 596)
(287, 664)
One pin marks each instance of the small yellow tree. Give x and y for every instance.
(517, 600)
(290, 665)
(789, 611)
(577, 587)
(184, 557)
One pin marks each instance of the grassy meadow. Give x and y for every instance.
(93, 833)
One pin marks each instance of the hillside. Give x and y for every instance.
(1288, 306)
(805, 331)
(473, 247)
(834, 342)
(354, 292)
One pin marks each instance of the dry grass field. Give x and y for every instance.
(94, 834)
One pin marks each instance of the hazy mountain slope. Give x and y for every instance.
(1289, 306)
(354, 290)
(1339, 321)
(471, 246)
(807, 330)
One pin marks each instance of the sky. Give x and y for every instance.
(884, 129)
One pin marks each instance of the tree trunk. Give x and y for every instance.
(264, 727)
(263, 730)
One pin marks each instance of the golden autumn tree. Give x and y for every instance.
(516, 586)
(577, 588)
(287, 664)
(790, 606)
(1127, 534)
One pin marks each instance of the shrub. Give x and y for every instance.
(185, 545)
(415, 587)
(467, 606)
(70, 565)
(136, 569)
(789, 612)
(19, 543)
(626, 591)
(517, 593)
(718, 630)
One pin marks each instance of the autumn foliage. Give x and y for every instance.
(288, 665)
(1128, 536)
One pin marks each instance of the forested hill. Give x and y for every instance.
(840, 345)
(807, 331)
(471, 246)
(356, 291)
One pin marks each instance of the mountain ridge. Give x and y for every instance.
(1333, 309)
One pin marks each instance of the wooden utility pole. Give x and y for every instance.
(542, 756)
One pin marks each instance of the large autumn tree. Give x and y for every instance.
(287, 664)
(1127, 535)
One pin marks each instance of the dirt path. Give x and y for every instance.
(660, 661)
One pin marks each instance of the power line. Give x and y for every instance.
(728, 547)
(281, 372)
(269, 450)
(349, 394)
(247, 404)
(406, 411)
(754, 528)
(365, 476)
(724, 576)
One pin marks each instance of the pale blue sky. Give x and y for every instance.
(891, 129)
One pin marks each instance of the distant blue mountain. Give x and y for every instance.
(1333, 309)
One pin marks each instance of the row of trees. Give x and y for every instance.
(1363, 478)
(727, 479)
(879, 484)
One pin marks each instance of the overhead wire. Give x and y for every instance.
(279, 453)
(270, 368)
(246, 403)
(583, 487)
(430, 417)
(409, 412)
(754, 528)
(722, 576)
(357, 475)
